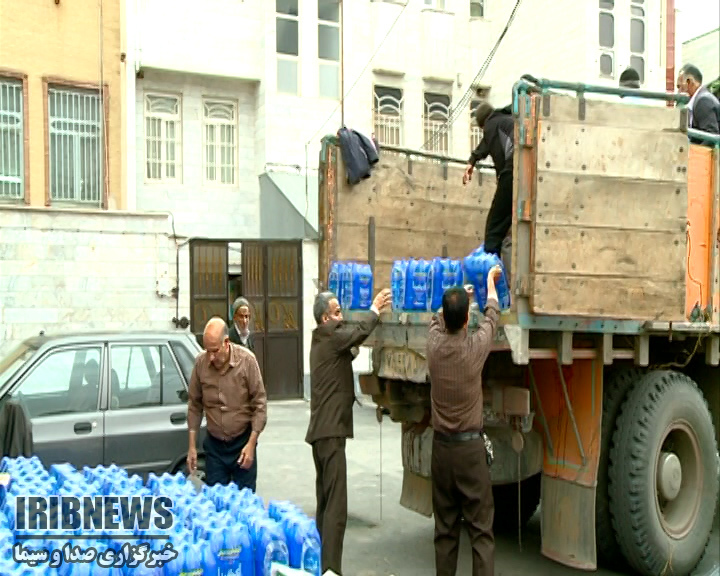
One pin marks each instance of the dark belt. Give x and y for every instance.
(459, 436)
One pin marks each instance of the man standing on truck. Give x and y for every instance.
(332, 393)
(461, 485)
(497, 142)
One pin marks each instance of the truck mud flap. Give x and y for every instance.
(416, 493)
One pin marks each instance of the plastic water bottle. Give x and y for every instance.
(475, 265)
(334, 279)
(270, 547)
(446, 274)
(397, 283)
(311, 556)
(362, 286)
(416, 288)
(346, 285)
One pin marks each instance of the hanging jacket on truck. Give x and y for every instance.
(359, 154)
(16, 437)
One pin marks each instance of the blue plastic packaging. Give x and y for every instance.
(334, 279)
(398, 281)
(444, 274)
(417, 285)
(362, 287)
(346, 285)
(501, 283)
(477, 266)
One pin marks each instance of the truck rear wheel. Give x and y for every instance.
(663, 475)
(615, 392)
(506, 503)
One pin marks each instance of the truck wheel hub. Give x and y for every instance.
(669, 475)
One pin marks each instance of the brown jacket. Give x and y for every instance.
(455, 363)
(332, 386)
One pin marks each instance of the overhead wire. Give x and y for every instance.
(344, 96)
(459, 109)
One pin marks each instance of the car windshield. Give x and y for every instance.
(10, 363)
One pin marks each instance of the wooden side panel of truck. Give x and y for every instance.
(615, 322)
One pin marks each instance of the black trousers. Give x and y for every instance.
(461, 486)
(499, 218)
(331, 492)
(221, 461)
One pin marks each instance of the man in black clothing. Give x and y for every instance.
(240, 331)
(497, 142)
(703, 108)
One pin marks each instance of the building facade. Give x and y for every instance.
(71, 257)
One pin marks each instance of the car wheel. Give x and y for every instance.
(663, 475)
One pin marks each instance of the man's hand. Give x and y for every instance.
(247, 456)
(493, 276)
(470, 291)
(383, 299)
(191, 460)
(467, 176)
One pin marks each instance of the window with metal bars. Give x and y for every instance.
(637, 38)
(12, 153)
(435, 123)
(76, 147)
(220, 119)
(606, 37)
(388, 115)
(162, 137)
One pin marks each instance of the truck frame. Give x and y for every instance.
(602, 394)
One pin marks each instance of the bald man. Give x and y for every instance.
(227, 386)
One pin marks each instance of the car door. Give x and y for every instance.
(146, 419)
(61, 393)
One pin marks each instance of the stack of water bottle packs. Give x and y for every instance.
(219, 531)
(418, 285)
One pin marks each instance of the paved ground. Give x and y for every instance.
(384, 539)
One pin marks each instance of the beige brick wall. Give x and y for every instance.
(61, 39)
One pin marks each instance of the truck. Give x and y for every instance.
(602, 392)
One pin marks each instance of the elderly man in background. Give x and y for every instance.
(703, 108)
(332, 393)
(227, 386)
(240, 331)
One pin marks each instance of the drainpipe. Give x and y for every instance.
(670, 47)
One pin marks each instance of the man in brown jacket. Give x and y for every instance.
(459, 467)
(332, 393)
(227, 386)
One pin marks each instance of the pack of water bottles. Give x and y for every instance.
(477, 265)
(219, 531)
(419, 284)
(352, 283)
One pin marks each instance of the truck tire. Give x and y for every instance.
(614, 394)
(663, 475)
(506, 502)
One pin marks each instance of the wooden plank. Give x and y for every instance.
(619, 152)
(619, 298)
(564, 108)
(584, 200)
(610, 252)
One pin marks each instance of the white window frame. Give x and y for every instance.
(643, 55)
(12, 125)
(481, 4)
(388, 115)
(219, 124)
(76, 129)
(165, 118)
(436, 130)
(334, 64)
(606, 50)
(282, 57)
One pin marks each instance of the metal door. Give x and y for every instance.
(208, 283)
(272, 282)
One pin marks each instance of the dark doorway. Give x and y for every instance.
(271, 280)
